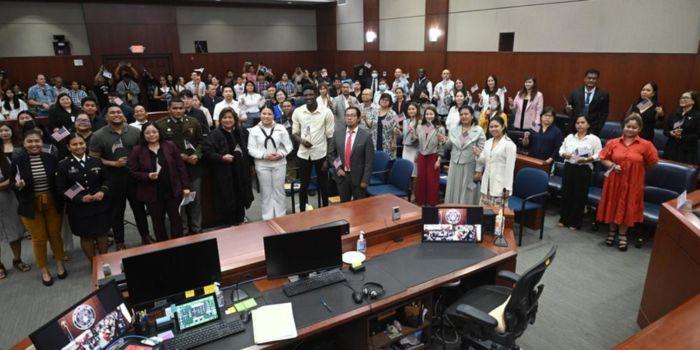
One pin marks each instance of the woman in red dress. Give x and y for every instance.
(627, 157)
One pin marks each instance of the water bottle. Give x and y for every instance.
(361, 243)
(219, 295)
(498, 229)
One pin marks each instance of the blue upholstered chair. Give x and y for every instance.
(399, 180)
(380, 168)
(530, 192)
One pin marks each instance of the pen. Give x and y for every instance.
(323, 302)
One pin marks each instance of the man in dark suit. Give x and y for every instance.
(590, 101)
(351, 153)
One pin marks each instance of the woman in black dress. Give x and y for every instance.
(81, 180)
(63, 114)
(682, 129)
(226, 150)
(648, 107)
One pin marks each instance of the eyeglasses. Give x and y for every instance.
(465, 113)
(685, 97)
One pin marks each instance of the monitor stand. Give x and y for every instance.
(238, 294)
(301, 276)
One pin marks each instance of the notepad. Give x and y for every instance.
(273, 322)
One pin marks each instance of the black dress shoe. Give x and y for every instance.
(47, 283)
(63, 275)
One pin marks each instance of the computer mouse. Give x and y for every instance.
(357, 297)
(245, 316)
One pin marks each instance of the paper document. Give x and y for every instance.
(188, 199)
(273, 322)
(682, 202)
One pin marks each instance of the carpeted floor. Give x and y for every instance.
(590, 301)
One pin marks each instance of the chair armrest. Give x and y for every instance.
(536, 196)
(380, 172)
(481, 318)
(508, 275)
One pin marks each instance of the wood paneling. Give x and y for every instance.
(326, 28)
(371, 19)
(675, 262)
(112, 28)
(23, 70)
(436, 13)
(218, 63)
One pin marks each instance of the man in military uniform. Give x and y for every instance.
(186, 133)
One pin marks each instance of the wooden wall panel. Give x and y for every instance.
(326, 28)
(218, 63)
(558, 73)
(371, 20)
(112, 28)
(23, 70)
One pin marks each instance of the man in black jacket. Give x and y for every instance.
(590, 101)
(195, 113)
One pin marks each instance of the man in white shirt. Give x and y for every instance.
(312, 128)
(196, 85)
(444, 93)
(228, 102)
(400, 81)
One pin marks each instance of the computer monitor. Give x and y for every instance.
(300, 253)
(155, 276)
(452, 224)
(92, 323)
(196, 312)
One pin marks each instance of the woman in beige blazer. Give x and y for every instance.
(495, 165)
(464, 140)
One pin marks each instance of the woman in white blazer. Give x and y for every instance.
(464, 141)
(527, 106)
(495, 165)
(269, 144)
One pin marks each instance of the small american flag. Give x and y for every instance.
(474, 88)
(74, 190)
(60, 134)
(47, 148)
(188, 145)
(399, 118)
(158, 168)
(337, 163)
(117, 145)
(18, 176)
(644, 105)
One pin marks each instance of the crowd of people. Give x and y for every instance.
(98, 150)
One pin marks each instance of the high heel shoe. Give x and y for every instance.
(45, 282)
(611, 238)
(63, 275)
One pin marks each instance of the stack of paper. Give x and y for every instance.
(273, 323)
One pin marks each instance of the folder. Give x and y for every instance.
(273, 323)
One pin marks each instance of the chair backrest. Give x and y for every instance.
(659, 139)
(558, 169)
(401, 174)
(671, 176)
(381, 160)
(611, 130)
(656, 195)
(522, 306)
(530, 181)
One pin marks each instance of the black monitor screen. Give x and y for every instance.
(302, 252)
(92, 323)
(452, 224)
(157, 275)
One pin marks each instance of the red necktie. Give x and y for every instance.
(348, 150)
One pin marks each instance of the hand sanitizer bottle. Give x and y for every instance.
(361, 243)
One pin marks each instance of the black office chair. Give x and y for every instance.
(492, 317)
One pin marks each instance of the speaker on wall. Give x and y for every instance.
(61, 47)
(505, 42)
(200, 46)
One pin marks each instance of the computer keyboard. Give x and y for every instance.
(205, 334)
(314, 282)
